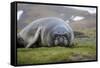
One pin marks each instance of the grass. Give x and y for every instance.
(84, 50)
(56, 54)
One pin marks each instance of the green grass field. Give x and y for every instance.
(80, 52)
(84, 50)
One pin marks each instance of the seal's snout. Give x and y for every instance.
(61, 40)
(61, 36)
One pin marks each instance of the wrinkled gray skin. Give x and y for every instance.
(50, 31)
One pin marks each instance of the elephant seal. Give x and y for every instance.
(49, 31)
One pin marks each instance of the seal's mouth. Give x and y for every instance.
(61, 40)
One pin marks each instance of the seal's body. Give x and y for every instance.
(48, 31)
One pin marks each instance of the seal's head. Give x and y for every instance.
(60, 36)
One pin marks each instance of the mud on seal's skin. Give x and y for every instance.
(48, 31)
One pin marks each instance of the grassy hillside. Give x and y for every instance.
(33, 12)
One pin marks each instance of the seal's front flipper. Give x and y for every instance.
(33, 38)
